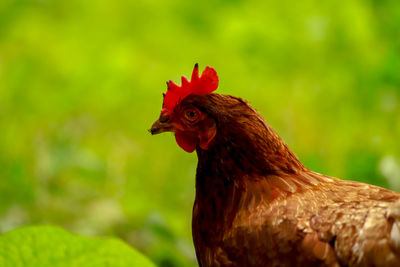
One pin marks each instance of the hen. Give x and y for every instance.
(257, 204)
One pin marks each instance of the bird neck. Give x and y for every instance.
(248, 149)
(245, 166)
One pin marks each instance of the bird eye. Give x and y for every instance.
(191, 115)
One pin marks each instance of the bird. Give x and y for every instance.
(256, 204)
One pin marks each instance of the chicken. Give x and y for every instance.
(257, 205)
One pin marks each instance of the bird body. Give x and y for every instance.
(257, 205)
(331, 223)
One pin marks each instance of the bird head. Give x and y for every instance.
(224, 127)
(192, 125)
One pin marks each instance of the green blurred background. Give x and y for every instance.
(81, 82)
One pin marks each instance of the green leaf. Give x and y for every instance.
(52, 246)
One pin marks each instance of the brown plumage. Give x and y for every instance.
(258, 205)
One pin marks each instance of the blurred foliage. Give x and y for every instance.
(81, 82)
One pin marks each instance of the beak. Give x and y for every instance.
(161, 125)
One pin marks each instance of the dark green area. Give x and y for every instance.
(81, 82)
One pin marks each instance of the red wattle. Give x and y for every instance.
(187, 140)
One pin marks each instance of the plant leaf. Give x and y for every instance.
(53, 246)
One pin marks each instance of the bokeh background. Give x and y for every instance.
(81, 82)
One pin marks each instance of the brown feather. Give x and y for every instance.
(258, 205)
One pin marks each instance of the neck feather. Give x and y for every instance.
(247, 146)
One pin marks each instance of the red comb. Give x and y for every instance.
(203, 85)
